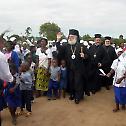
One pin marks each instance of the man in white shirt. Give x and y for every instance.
(5, 74)
(4, 67)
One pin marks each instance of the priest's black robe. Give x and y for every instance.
(77, 76)
(97, 55)
(111, 55)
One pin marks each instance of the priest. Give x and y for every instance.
(98, 60)
(76, 56)
(111, 55)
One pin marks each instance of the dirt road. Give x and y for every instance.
(95, 110)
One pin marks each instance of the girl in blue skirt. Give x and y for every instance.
(119, 69)
(12, 94)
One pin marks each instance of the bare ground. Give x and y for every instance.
(95, 110)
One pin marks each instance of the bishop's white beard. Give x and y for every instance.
(73, 42)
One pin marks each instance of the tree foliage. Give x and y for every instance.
(49, 30)
(87, 38)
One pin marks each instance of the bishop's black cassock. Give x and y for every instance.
(76, 65)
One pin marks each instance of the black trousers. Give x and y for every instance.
(94, 80)
(76, 84)
(26, 96)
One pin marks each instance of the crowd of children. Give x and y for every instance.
(20, 92)
(40, 72)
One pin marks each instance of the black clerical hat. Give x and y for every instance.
(107, 38)
(97, 35)
(74, 32)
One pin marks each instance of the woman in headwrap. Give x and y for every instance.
(45, 56)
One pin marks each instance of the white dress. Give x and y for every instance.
(42, 78)
(43, 57)
(119, 67)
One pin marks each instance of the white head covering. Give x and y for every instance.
(85, 43)
(91, 42)
(17, 48)
(81, 41)
(119, 50)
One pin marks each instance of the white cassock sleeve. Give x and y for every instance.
(4, 70)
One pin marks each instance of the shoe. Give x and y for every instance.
(107, 88)
(87, 93)
(54, 98)
(93, 92)
(71, 98)
(77, 101)
(123, 107)
(32, 101)
(49, 98)
(116, 110)
(20, 113)
(28, 114)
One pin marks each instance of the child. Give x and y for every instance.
(12, 94)
(119, 68)
(32, 65)
(54, 80)
(63, 78)
(26, 88)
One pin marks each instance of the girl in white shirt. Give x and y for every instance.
(119, 69)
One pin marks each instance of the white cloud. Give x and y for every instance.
(88, 16)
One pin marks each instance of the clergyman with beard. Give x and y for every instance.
(75, 55)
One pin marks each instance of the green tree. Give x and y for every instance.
(49, 30)
(87, 38)
(116, 41)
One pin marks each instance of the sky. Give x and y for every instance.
(88, 16)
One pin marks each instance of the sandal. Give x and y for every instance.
(116, 110)
(28, 114)
(123, 107)
(20, 113)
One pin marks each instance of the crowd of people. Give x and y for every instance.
(32, 71)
